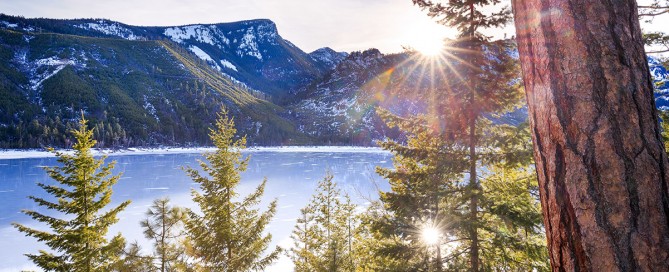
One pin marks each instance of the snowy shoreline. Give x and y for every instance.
(6, 154)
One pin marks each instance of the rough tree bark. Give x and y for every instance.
(601, 167)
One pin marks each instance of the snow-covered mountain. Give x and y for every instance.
(249, 52)
(327, 57)
(145, 85)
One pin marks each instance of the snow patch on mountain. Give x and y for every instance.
(110, 28)
(54, 61)
(204, 56)
(248, 45)
(43, 69)
(199, 53)
(8, 24)
(150, 108)
(204, 34)
(228, 65)
(37, 81)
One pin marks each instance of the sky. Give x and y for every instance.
(344, 25)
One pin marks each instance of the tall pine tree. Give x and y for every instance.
(83, 190)
(482, 85)
(228, 233)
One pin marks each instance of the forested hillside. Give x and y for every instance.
(134, 92)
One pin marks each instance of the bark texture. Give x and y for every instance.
(600, 162)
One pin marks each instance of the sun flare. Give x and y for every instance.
(430, 48)
(429, 45)
(430, 235)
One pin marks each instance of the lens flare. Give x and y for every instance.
(430, 235)
(430, 46)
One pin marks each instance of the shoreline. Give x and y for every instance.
(8, 154)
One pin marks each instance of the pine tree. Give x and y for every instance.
(324, 235)
(482, 84)
(429, 191)
(133, 260)
(427, 171)
(228, 234)
(664, 126)
(164, 226)
(82, 192)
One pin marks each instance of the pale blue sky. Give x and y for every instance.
(344, 25)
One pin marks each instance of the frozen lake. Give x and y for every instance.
(292, 176)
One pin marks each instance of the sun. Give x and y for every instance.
(428, 43)
(430, 235)
(429, 46)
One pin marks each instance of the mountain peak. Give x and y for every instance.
(327, 57)
(260, 21)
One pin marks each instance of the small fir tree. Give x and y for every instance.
(133, 260)
(77, 239)
(164, 226)
(228, 234)
(324, 234)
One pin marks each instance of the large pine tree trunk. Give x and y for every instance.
(601, 167)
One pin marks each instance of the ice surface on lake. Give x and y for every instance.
(292, 175)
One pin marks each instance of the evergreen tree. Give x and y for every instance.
(133, 260)
(664, 126)
(324, 235)
(430, 192)
(228, 234)
(427, 171)
(82, 192)
(164, 226)
(481, 83)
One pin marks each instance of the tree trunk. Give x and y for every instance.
(599, 158)
(473, 181)
(474, 190)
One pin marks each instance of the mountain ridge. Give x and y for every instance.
(163, 85)
(249, 51)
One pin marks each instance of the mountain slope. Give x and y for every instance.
(136, 92)
(341, 106)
